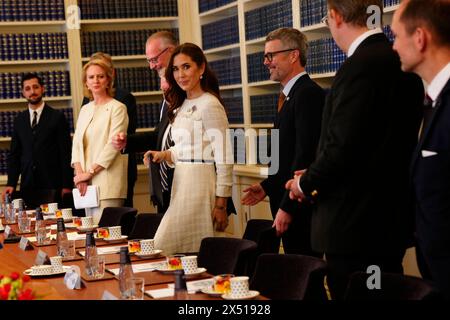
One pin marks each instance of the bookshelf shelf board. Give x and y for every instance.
(145, 129)
(224, 48)
(314, 27)
(32, 23)
(62, 98)
(24, 62)
(262, 83)
(218, 11)
(261, 125)
(391, 8)
(256, 41)
(322, 75)
(231, 87)
(147, 93)
(3, 180)
(236, 126)
(5, 139)
(128, 20)
(122, 58)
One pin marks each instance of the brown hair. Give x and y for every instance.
(175, 95)
(434, 14)
(102, 63)
(354, 11)
(291, 39)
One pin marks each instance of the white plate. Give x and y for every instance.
(150, 255)
(29, 272)
(188, 275)
(251, 294)
(211, 292)
(114, 240)
(87, 228)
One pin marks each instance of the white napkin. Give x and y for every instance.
(196, 285)
(142, 267)
(103, 250)
(163, 293)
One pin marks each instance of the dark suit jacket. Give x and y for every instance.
(369, 131)
(298, 123)
(431, 181)
(42, 158)
(129, 101)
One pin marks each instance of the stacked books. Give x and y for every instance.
(205, 5)
(148, 115)
(256, 70)
(233, 108)
(220, 33)
(263, 108)
(4, 154)
(31, 10)
(312, 11)
(324, 56)
(137, 79)
(228, 71)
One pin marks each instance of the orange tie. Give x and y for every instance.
(281, 99)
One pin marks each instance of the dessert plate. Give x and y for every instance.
(251, 294)
(30, 273)
(115, 240)
(211, 292)
(155, 253)
(84, 229)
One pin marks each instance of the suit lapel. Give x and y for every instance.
(286, 103)
(162, 126)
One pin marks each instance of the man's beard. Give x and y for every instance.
(35, 101)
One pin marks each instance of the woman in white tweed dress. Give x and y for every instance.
(201, 154)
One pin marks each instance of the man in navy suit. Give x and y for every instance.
(40, 149)
(298, 121)
(422, 32)
(360, 180)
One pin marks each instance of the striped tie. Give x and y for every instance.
(34, 123)
(163, 167)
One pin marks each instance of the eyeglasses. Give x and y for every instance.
(325, 20)
(155, 59)
(269, 55)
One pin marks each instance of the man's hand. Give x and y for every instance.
(119, 141)
(155, 156)
(220, 218)
(294, 191)
(8, 189)
(282, 221)
(254, 194)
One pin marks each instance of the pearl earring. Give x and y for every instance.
(201, 76)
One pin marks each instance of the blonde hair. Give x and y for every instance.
(109, 71)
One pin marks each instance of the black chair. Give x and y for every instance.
(118, 216)
(261, 231)
(392, 287)
(145, 225)
(225, 255)
(290, 277)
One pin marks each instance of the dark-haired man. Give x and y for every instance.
(40, 149)
(422, 40)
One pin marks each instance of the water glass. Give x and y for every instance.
(41, 234)
(67, 249)
(136, 288)
(10, 215)
(96, 267)
(24, 222)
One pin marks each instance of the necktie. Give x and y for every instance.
(163, 167)
(34, 122)
(427, 113)
(281, 99)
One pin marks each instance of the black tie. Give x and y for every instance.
(163, 167)
(427, 113)
(34, 122)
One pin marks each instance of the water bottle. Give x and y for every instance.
(60, 236)
(181, 292)
(91, 251)
(125, 273)
(40, 228)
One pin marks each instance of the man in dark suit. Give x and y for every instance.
(158, 49)
(422, 40)
(129, 101)
(298, 121)
(40, 149)
(359, 179)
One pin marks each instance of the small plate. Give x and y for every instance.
(29, 273)
(150, 255)
(188, 275)
(251, 294)
(114, 240)
(211, 292)
(84, 229)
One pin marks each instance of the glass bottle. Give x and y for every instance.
(40, 228)
(60, 236)
(91, 251)
(181, 292)
(125, 273)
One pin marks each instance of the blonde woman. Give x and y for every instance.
(94, 159)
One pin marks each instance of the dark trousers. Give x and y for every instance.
(166, 198)
(340, 267)
(130, 193)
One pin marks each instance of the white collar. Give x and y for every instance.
(355, 44)
(438, 83)
(38, 109)
(287, 88)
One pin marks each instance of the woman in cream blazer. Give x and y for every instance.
(94, 159)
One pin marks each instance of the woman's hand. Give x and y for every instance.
(82, 177)
(82, 187)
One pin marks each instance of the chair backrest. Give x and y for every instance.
(118, 216)
(261, 231)
(289, 277)
(145, 226)
(225, 255)
(392, 287)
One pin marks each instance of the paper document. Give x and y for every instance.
(89, 200)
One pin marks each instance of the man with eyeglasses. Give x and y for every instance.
(363, 212)
(298, 120)
(158, 49)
